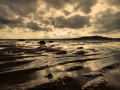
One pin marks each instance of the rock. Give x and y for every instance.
(94, 50)
(61, 52)
(42, 42)
(52, 45)
(21, 39)
(80, 52)
(50, 41)
(49, 76)
(80, 48)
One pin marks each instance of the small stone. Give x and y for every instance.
(21, 39)
(80, 52)
(42, 42)
(50, 41)
(80, 48)
(49, 76)
(61, 52)
(93, 50)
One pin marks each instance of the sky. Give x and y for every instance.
(53, 19)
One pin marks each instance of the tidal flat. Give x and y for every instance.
(59, 65)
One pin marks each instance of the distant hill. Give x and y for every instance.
(96, 38)
(81, 38)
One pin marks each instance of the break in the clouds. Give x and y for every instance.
(77, 17)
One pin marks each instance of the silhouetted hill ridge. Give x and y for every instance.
(81, 38)
(96, 38)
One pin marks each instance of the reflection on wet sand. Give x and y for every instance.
(59, 65)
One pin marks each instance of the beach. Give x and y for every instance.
(59, 65)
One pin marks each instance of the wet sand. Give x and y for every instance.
(59, 65)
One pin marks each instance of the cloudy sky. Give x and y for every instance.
(59, 18)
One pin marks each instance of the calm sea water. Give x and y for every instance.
(60, 65)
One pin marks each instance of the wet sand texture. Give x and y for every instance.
(59, 65)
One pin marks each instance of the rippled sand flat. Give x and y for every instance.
(59, 65)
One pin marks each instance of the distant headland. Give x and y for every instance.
(80, 38)
(96, 38)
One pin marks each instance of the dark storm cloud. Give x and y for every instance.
(74, 22)
(12, 12)
(58, 4)
(5, 20)
(108, 22)
(66, 12)
(84, 5)
(10, 22)
(114, 2)
(35, 27)
(6, 15)
(22, 7)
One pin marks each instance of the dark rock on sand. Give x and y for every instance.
(50, 41)
(42, 42)
(49, 76)
(80, 52)
(52, 45)
(21, 39)
(94, 50)
(80, 48)
(61, 52)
